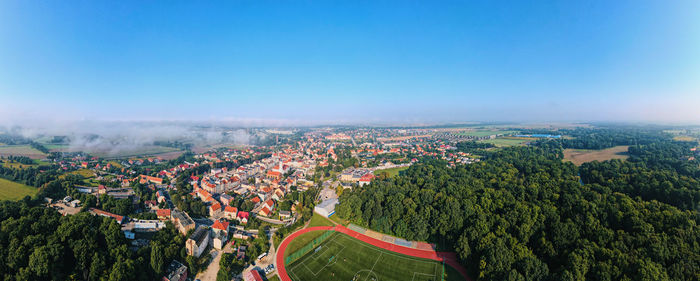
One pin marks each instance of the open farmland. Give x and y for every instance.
(342, 257)
(21, 150)
(580, 156)
(10, 190)
(485, 133)
(502, 142)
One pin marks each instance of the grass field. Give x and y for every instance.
(301, 241)
(83, 172)
(391, 171)
(318, 220)
(342, 257)
(580, 156)
(273, 278)
(21, 150)
(338, 220)
(17, 165)
(484, 133)
(502, 142)
(10, 190)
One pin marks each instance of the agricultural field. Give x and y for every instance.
(21, 150)
(10, 190)
(503, 142)
(391, 171)
(17, 165)
(342, 257)
(485, 133)
(165, 152)
(580, 156)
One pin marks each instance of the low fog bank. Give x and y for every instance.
(112, 138)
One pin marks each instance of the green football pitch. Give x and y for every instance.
(342, 257)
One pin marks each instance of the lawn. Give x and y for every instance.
(580, 156)
(10, 190)
(501, 142)
(318, 220)
(342, 257)
(273, 278)
(391, 171)
(338, 220)
(301, 241)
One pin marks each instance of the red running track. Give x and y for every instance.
(448, 257)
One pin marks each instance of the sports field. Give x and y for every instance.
(10, 190)
(391, 171)
(342, 257)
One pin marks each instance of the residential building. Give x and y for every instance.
(176, 272)
(198, 242)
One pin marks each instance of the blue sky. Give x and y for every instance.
(351, 61)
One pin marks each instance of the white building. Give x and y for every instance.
(327, 207)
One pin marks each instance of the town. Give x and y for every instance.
(232, 200)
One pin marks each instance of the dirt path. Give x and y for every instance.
(213, 268)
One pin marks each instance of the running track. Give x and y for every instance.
(448, 257)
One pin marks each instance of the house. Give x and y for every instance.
(163, 214)
(366, 179)
(160, 196)
(150, 204)
(326, 208)
(252, 275)
(220, 234)
(346, 177)
(226, 199)
(198, 242)
(265, 211)
(155, 180)
(215, 209)
(98, 212)
(230, 212)
(182, 221)
(243, 217)
(273, 175)
(176, 272)
(270, 204)
(285, 214)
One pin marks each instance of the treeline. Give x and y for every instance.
(32, 176)
(19, 159)
(39, 147)
(521, 214)
(604, 137)
(472, 146)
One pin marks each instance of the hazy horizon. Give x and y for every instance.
(263, 63)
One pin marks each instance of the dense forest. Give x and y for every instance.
(523, 214)
(37, 243)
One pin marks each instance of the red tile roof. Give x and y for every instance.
(163, 212)
(221, 225)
